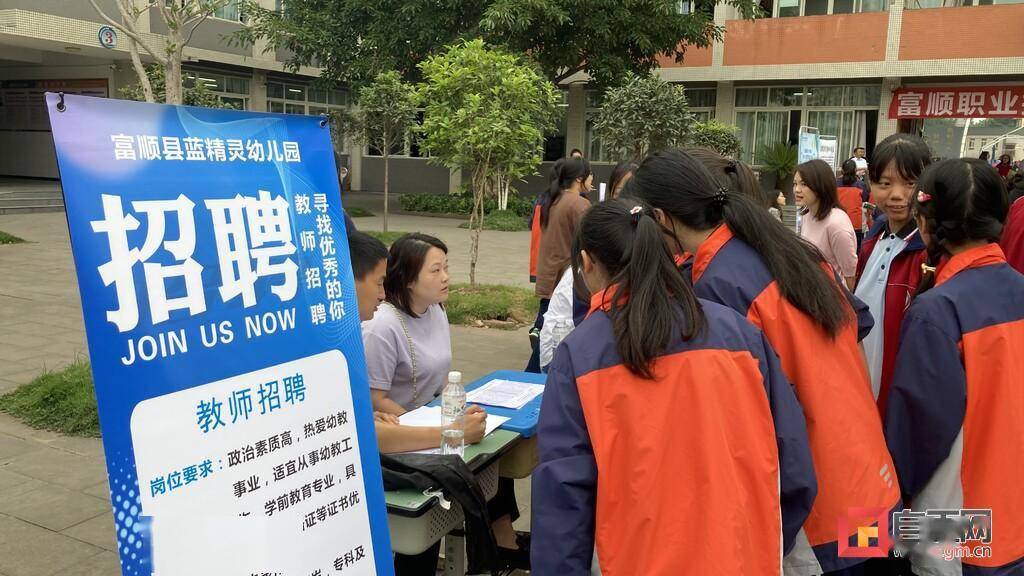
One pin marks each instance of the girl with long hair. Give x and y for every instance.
(661, 409)
(747, 260)
(953, 419)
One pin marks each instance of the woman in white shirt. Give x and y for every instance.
(408, 341)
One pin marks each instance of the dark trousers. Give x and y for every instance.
(425, 563)
(534, 364)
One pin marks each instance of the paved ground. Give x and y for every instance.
(54, 503)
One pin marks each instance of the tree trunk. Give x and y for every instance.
(175, 47)
(386, 184)
(140, 70)
(476, 219)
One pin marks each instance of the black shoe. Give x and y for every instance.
(534, 338)
(517, 559)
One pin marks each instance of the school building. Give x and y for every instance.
(858, 70)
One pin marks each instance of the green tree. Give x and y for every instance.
(384, 118)
(182, 18)
(193, 94)
(716, 136)
(643, 115)
(353, 40)
(486, 111)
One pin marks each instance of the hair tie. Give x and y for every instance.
(923, 196)
(721, 196)
(635, 213)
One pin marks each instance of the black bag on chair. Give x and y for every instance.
(450, 474)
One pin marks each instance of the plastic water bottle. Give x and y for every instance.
(453, 412)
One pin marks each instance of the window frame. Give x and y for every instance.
(858, 8)
(803, 107)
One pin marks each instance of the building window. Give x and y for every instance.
(786, 8)
(230, 90)
(554, 143)
(760, 130)
(409, 147)
(287, 98)
(917, 4)
(229, 11)
(702, 103)
(772, 115)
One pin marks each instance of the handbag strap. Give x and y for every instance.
(412, 349)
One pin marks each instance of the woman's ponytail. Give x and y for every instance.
(651, 303)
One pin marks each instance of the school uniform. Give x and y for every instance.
(851, 461)
(703, 470)
(954, 418)
(888, 272)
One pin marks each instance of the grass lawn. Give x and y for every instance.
(6, 238)
(504, 307)
(502, 221)
(386, 237)
(359, 212)
(63, 401)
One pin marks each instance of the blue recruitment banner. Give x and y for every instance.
(224, 337)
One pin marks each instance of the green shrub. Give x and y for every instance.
(358, 212)
(469, 304)
(502, 221)
(63, 401)
(388, 238)
(460, 204)
(6, 238)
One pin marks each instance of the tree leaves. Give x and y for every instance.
(644, 115)
(353, 40)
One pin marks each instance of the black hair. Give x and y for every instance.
(651, 302)
(562, 176)
(621, 171)
(405, 261)
(819, 177)
(849, 172)
(910, 154)
(734, 175)
(678, 184)
(983, 155)
(859, 148)
(366, 253)
(575, 151)
(961, 200)
(1015, 188)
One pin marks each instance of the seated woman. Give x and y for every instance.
(369, 266)
(408, 355)
(408, 342)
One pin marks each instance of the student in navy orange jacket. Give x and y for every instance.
(751, 262)
(953, 421)
(670, 442)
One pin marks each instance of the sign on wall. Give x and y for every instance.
(958, 102)
(224, 337)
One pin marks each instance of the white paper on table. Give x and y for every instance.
(505, 394)
(431, 416)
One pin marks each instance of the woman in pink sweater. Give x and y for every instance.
(823, 222)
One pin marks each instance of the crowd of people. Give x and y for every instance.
(729, 389)
(721, 390)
